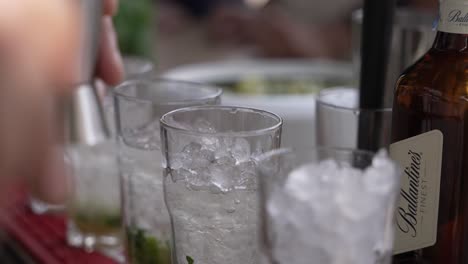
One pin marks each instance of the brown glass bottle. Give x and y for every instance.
(433, 95)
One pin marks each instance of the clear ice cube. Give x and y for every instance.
(203, 125)
(240, 150)
(192, 149)
(180, 175)
(146, 137)
(198, 180)
(223, 175)
(246, 179)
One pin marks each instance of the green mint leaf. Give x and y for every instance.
(189, 260)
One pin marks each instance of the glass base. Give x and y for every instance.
(110, 245)
(39, 207)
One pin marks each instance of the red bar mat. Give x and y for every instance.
(43, 236)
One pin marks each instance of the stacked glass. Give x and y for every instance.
(95, 215)
(139, 105)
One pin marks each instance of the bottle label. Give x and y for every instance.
(453, 16)
(420, 158)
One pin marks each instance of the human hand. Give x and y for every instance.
(38, 47)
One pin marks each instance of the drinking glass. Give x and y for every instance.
(210, 180)
(139, 105)
(338, 117)
(135, 68)
(95, 208)
(329, 206)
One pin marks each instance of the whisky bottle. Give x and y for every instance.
(430, 142)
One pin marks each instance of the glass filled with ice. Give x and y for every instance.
(210, 180)
(139, 106)
(330, 206)
(135, 68)
(95, 208)
(338, 117)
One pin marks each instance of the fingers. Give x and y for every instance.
(110, 7)
(54, 185)
(110, 66)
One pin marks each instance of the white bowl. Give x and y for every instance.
(298, 111)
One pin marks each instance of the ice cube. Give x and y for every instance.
(192, 149)
(193, 157)
(207, 154)
(246, 179)
(304, 183)
(180, 175)
(296, 233)
(210, 143)
(379, 178)
(240, 150)
(329, 172)
(354, 201)
(196, 157)
(226, 161)
(381, 159)
(222, 176)
(278, 205)
(223, 147)
(203, 125)
(178, 160)
(198, 180)
(199, 161)
(247, 166)
(146, 137)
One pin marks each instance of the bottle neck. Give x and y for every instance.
(451, 41)
(453, 26)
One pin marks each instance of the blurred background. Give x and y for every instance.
(270, 54)
(179, 32)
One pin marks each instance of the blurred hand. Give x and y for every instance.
(38, 47)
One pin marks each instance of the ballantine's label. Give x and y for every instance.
(453, 16)
(420, 158)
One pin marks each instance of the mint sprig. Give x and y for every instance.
(146, 249)
(189, 260)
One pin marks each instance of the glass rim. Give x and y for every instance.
(119, 91)
(286, 151)
(320, 101)
(258, 132)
